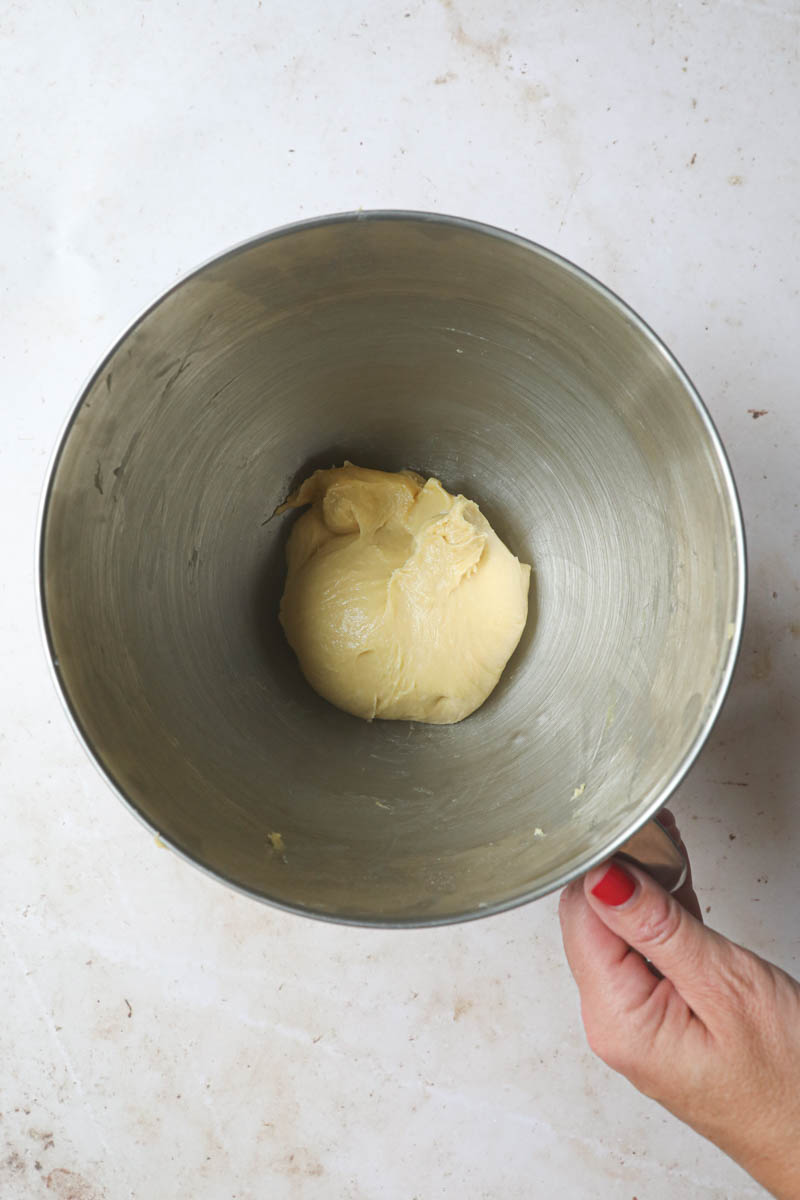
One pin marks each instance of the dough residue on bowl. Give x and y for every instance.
(400, 601)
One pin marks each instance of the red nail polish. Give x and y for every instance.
(615, 887)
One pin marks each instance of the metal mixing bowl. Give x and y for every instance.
(395, 340)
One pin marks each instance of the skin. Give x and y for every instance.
(716, 1041)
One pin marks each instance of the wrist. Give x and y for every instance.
(768, 1149)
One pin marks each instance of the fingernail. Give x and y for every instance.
(615, 887)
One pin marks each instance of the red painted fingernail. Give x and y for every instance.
(615, 887)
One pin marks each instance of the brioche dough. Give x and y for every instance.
(400, 601)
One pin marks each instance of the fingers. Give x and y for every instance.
(612, 981)
(642, 915)
(632, 1018)
(717, 1040)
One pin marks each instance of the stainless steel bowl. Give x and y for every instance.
(396, 340)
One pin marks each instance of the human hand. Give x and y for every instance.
(716, 1040)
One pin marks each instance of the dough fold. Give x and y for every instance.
(400, 601)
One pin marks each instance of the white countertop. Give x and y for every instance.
(162, 1036)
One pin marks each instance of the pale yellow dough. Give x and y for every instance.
(400, 601)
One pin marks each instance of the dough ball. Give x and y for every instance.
(400, 601)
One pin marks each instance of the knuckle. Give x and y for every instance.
(742, 983)
(738, 991)
(662, 922)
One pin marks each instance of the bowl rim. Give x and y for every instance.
(733, 643)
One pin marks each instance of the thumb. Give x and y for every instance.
(637, 909)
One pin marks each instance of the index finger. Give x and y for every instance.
(609, 974)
